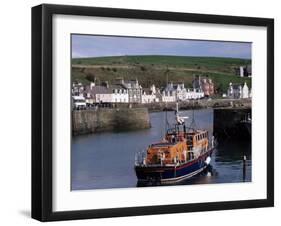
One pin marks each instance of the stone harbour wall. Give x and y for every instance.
(109, 119)
(227, 123)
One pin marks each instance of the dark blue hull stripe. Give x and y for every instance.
(171, 174)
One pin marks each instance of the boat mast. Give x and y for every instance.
(193, 124)
(166, 118)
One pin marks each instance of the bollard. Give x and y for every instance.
(244, 168)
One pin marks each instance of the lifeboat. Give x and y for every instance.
(181, 154)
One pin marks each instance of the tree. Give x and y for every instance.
(143, 68)
(219, 89)
(90, 77)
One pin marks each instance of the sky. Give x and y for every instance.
(99, 46)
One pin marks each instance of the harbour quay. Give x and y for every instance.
(109, 119)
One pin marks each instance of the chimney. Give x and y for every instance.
(92, 84)
(105, 84)
(119, 81)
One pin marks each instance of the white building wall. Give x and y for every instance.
(120, 98)
(168, 98)
(105, 98)
(148, 98)
(241, 71)
(239, 92)
(245, 91)
(181, 94)
(193, 94)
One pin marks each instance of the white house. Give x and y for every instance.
(194, 94)
(177, 92)
(169, 96)
(237, 91)
(244, 71)
(106, 93)
(119, 94)
(241, 70)
(149, 95)
(134, 89)
(97, 93)
(181, 92)
(77, 89)
(245, 91)
(102, 94)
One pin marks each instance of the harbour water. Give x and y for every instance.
(106, 160)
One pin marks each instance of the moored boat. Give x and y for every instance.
(246, 124)
(183, 153)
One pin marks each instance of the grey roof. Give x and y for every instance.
(117, 86)
(172, 86)
(131, 84)
(147, 91)
(236, 86)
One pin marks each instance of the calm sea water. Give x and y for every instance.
(106, 160)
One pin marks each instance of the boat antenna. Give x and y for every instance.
(166, 116)
(193, 124)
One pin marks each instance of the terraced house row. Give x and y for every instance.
(132, 92)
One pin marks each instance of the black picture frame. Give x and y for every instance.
(42, 111)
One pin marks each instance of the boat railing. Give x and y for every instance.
(190, 155)
(212, 142)
(140, 158)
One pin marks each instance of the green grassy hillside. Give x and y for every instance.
(156, 69)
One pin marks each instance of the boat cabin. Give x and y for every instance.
(178, 147)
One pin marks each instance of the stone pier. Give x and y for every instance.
(109, 119)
